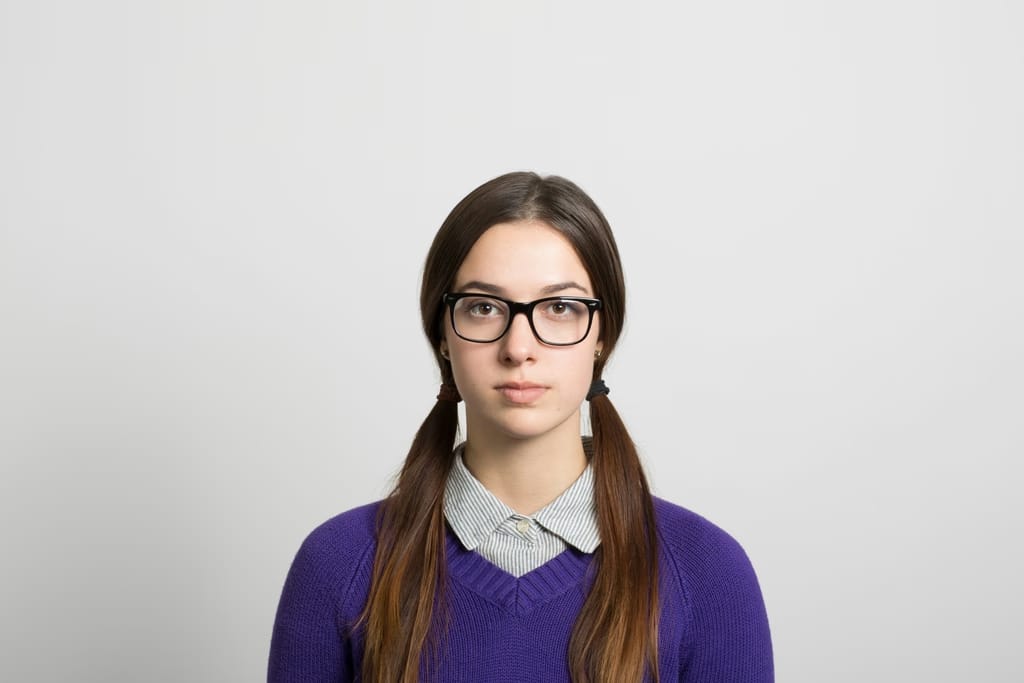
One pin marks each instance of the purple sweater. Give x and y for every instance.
(713, 626)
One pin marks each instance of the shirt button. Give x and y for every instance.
(522, 525)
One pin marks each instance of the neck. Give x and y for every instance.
(525, 474)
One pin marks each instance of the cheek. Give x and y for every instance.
(579, 373)
(469, 363)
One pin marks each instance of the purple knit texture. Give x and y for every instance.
(713, 626)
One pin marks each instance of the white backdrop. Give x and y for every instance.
(212, 225)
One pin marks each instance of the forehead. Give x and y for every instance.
(523, 258)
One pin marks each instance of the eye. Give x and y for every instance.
(482, 308)
(563, 310)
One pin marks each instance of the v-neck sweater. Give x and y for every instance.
(712, 629)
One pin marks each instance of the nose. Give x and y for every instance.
(518, 345)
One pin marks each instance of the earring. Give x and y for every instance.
(444, 354)
(597, 354)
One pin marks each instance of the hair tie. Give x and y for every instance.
(597, 387)
(449, 392)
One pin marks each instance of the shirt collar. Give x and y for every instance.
(473, 512)
(573, 515)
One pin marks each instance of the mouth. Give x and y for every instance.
(521, 393)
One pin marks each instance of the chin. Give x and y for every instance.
(531, 425)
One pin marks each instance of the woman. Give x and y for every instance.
(529, 552)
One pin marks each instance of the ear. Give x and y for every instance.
(443, 349)
(598, 350)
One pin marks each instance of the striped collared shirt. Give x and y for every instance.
(519, 543)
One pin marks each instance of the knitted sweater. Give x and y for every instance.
(713, 627)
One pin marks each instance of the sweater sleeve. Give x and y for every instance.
(729, 639)
(310, 641)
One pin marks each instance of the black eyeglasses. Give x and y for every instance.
(555, 320)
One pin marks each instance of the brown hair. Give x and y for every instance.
(615, 636)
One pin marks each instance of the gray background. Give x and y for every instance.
(212, 224)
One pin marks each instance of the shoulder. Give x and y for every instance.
(321, 599)
(713, 585)
(338, 551)
(350, 529)
(700, 552)
(687, 533)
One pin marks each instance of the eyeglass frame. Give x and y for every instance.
(526, 308)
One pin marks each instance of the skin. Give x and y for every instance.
(524, 446)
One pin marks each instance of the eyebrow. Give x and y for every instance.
(500, 291)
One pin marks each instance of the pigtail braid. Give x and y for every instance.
(408, 569)
(606, 645)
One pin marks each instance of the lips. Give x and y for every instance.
(521, 393)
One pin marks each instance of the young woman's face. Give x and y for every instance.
(518, 386)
